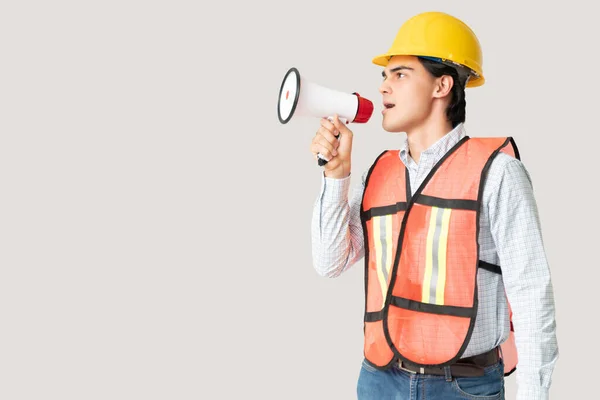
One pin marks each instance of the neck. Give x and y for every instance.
(422, 137)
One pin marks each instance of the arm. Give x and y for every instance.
(516, 230)
(337, 234)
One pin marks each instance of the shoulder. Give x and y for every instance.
(507, 174)
(504, 165)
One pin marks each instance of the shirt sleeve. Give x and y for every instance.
(336, 230)
(516, 230)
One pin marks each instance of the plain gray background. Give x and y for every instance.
(155, 215)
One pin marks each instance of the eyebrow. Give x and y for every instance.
(398, 68)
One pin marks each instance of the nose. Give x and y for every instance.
(384, 88)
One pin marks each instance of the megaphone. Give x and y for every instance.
(300, 97)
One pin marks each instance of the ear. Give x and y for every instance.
(443, 86)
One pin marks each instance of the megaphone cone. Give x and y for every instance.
(301, 97)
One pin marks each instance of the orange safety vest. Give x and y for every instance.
(422, 256)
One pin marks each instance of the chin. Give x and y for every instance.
(393, 126)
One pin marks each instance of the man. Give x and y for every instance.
(449, 229)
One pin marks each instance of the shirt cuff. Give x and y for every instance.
(335, 190)
(532, 393)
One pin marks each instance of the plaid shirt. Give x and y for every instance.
(510, 236)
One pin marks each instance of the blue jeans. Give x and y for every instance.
(397, 384)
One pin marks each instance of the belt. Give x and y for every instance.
(464, 367)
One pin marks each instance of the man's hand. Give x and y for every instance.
(336, 150)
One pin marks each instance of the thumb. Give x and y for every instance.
(340, 126)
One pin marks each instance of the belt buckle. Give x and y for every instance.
(421, 369)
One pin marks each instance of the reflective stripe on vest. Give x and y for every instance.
(422, 255)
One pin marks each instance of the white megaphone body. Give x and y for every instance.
(300, 97)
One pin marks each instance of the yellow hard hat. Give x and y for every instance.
(439, 36)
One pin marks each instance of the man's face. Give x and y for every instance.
(407, 91)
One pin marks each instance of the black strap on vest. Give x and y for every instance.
(384, 210)
(490, 267)
(457, 204)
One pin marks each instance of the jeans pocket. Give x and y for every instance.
(368, 367)
(490, 386)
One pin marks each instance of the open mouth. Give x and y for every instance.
(388, 105)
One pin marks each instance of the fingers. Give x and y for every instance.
(340, 126)
(325, 141)
(329, 127)
(321, 145)
(329, 133)
(329, 144)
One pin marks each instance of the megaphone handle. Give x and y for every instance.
(320, 159)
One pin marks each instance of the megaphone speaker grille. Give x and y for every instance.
(288, 95)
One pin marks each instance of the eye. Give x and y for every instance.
(400, 74)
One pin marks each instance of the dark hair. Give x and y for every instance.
(456, 111)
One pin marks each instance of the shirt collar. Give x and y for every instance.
(437, 150)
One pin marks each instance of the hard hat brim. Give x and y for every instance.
(383, 59)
